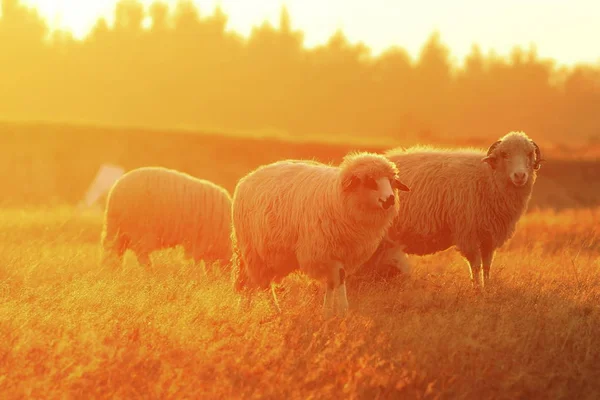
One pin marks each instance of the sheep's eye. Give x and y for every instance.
(370, 183)
(504, 154)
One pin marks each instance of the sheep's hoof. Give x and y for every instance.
(476, 285)
(342, 310)
(328, 313)
(486, 279)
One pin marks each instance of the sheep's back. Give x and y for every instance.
(446, 192)
(157, 205)
(273, 205)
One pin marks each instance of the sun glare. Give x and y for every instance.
(560, 30)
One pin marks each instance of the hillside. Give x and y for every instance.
(52, 163)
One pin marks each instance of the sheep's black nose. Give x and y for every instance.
(388, 202)
(520, 176)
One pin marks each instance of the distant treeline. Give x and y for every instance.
(186, 70)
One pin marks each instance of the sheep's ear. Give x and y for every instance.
(350, 183)
(396, 184)
(538, 157)
(491, 160)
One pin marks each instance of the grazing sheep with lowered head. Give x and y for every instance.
(303, 215)
(464, 198)
(153, 208)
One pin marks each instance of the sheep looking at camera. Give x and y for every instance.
(304, 215)
(465, 198)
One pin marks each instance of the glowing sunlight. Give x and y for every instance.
(316, 199)
(562, 30)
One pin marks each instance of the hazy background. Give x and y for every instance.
(149, 70)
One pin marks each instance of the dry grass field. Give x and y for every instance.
(73, 330)
(175, 86)
(70, 329)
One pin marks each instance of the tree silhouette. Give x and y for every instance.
(187, 69)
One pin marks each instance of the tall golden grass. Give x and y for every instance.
(73, 330)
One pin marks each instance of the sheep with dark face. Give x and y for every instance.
(303, 215)
(465, 198)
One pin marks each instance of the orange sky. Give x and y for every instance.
(566, 30)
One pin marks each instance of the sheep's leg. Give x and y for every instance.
(397, 259)
(245, 300)
(274, 302)
(208, 264)
(329, 298)
(187, 251)
(336, 290)
(487, 257)
(342, 298)
(112, 258)
(329, 272)
(241, 279)
(143, 258)
(192, 254)
(113, 251)
(474, 260)
(242, 284)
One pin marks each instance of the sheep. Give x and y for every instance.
(154, 208)
(320, 219)
(388, 261)
(465, 198)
